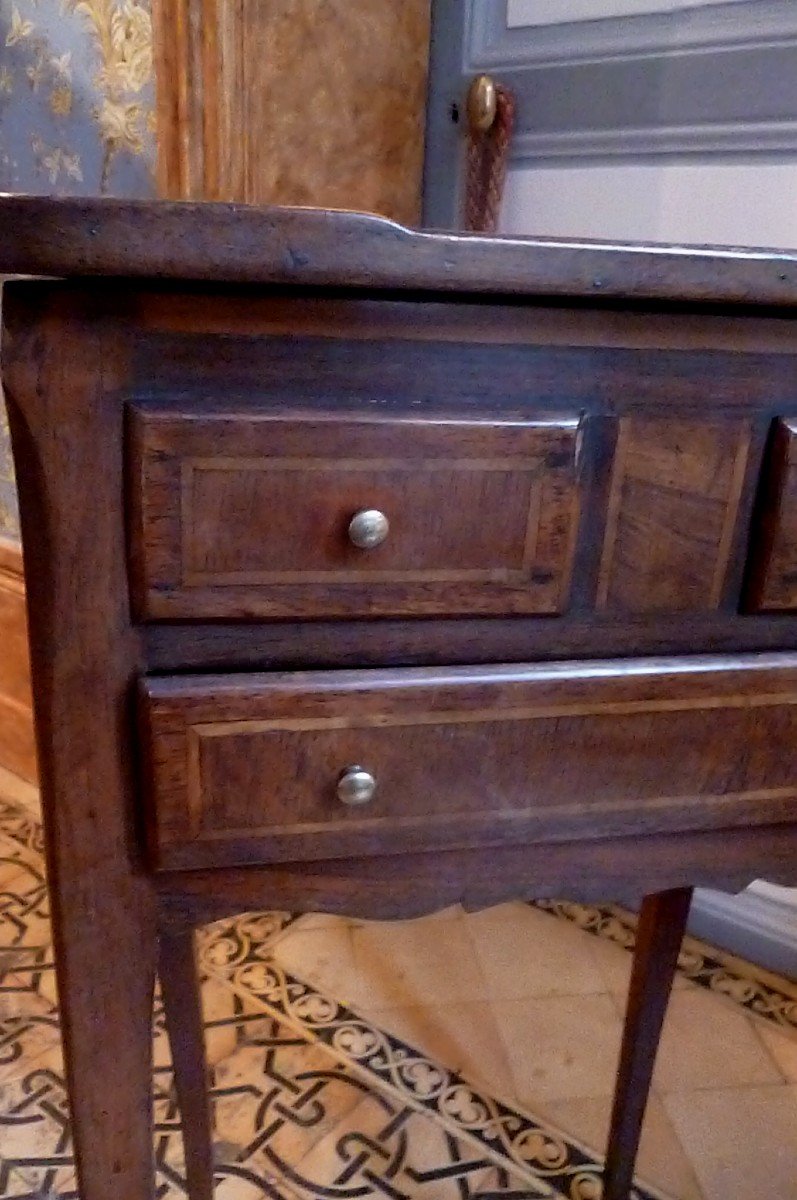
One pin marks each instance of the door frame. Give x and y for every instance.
(717, 82)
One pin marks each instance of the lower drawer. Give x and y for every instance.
(265, 768)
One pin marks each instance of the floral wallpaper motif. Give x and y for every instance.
(77, 116)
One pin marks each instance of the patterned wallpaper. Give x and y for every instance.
(77, 116)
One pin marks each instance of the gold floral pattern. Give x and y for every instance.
(123, 35)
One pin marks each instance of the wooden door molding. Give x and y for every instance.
(180, 77)
(304, 103)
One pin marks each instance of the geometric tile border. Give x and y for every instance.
(295, 1057)
(760, 993)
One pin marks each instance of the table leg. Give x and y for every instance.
(182, 1003)
(662, 924)
(105, 960)
(63, 382)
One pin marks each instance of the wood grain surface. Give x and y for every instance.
(238, 243)
(242, 514)
(244, 769)
(572, 769)
(772, 583)
(61, 375)
(293, 102)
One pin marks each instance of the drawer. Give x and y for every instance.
(259, 768)
(772, 581)
(252, 515)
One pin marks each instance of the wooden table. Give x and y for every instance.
(371, 571)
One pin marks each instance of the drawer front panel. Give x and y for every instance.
(673, 510)
(249, 515)
(772, 585)
(248, 770)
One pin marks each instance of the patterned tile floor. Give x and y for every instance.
(452, 1058)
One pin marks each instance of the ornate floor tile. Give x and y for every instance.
(541, 1155)
(762, 994)
(313, 1098)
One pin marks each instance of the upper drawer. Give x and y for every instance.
(251, 514)
(259, 768)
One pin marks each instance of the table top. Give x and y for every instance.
(233, 243)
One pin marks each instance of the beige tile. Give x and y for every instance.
(318, 920)
(415, 962)
(31, 1043)
(323, 956)
(19, 791)
(560, 1048)
(782, 1046)
(662, 1161)
(463, 1037)
(525, 952)
(706, 1044)
(742, 1141)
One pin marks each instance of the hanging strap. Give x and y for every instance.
(488, 154)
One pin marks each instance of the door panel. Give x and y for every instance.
(312, 102)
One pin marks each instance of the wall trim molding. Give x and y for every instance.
(718, 82)
(581, 147)
(760, 925)
(17, 743)
(490, 42)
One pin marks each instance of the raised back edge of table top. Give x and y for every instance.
(234, 243)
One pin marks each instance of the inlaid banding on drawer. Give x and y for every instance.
(249, 515)
(246, 771)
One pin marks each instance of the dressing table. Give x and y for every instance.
(372, 571)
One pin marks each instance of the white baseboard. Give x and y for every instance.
(760, 924)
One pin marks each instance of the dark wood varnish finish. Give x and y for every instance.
(246, 514)
(571, 466)
(673, 507)
(773, 565)
(661, 929)
(244, 770)
(239, 243)
(178, 971)
(61, 374)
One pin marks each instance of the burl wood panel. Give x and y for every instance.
(244, 770)
(672, 512)
(773, 561)
(310, 102)
(246, 514)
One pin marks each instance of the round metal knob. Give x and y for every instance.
(368, 528)
(356, 786)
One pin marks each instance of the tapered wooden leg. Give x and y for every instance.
(182, 1006)
(662, 924)
(106, 1026)
(68, 444)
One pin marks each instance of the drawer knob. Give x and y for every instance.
(368, 528)
(356, 786)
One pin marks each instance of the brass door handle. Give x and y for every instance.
(482, 104)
